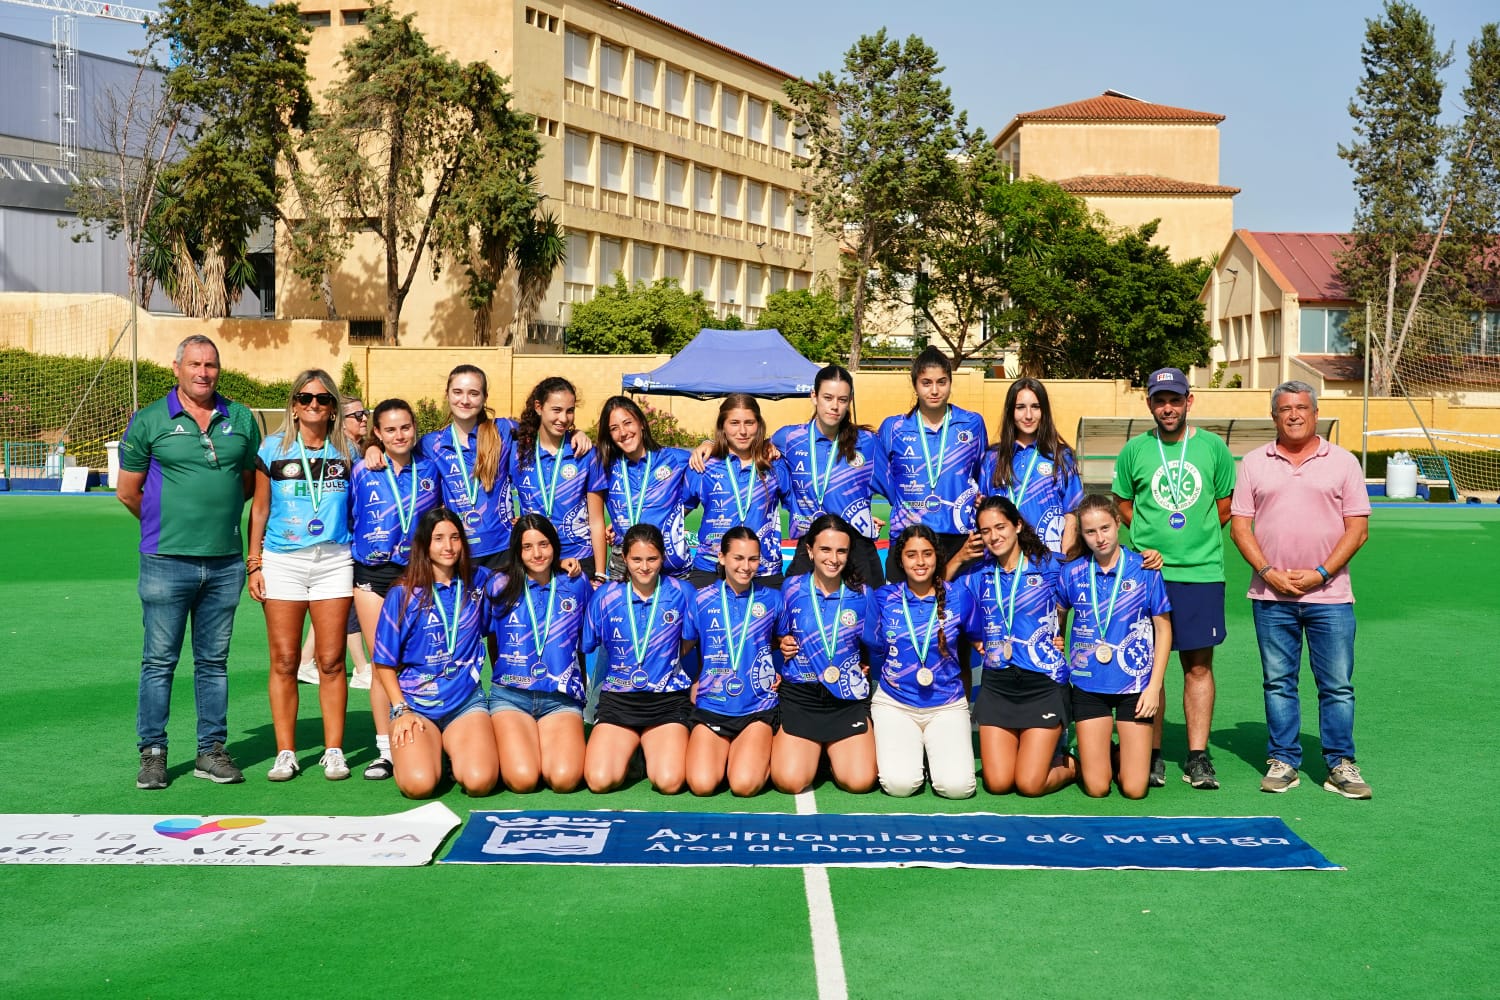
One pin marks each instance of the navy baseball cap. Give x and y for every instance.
(1167, 380)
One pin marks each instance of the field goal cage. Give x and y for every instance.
(1100, 440)
(1455, 362)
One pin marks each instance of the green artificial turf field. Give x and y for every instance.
(1414, 915)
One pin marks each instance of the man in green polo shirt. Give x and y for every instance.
(1174, 484)
(187, 466)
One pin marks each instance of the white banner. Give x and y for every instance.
(405, 839)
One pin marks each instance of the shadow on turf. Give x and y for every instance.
(1247, 741)
(257, 746)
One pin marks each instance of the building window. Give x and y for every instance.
(676, 92)
(546, 126)
(577, 166)
(317, 18)
(703, 101)
(672, 264)
(703, 190)
(801, 280)
(781, 132)
(755, 293)
(778, 280)
(756, 116)
(645, 174)
(612, 70)
(645, 82)
(611, 166)
(611, 256)
(1270, 330)
(643, 263)
(800, 223)
(1322, 332)
(729, 196)
(541, 19)
(729, 112)
(677, 193)
(729, 281)
(755, 203)
(354, 17)
(576, 269)
(703, 275)
(779, 210)
(578, 63)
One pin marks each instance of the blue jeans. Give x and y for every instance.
(171, 589)
(1329, 628)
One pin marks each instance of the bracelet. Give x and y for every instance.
(600, 578)
(252, 571)
(399, 710)
(1263, 571)
(1323, 573)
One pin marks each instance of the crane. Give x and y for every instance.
(63, 45)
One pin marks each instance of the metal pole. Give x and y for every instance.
(1364, 434)
(135, 372)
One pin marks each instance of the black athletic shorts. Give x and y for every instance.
(729, 726)
(1093, 705)
(641, 710)
(1014, 698)
(815, 713)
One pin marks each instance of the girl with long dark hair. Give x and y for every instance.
(648, 484)
(739, 486)
(1032, 465)
(553, 480)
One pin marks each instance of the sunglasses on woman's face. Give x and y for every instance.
(306, 398)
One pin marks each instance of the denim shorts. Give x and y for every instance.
(475, 702)
(537, 704)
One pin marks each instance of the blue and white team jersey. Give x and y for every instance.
(538, 639)
(931, 475)
(387, 505)
(487, 514)
(1019, 606)
(733, 493)
(1136, 594)
(642, 636)
(903, 643)
(738, 668)
(663, 474)
(820, 481)
(557, 486)
(414, 638)
(1043, 493)
(829, 629)
(309, 494)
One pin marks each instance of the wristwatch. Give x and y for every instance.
(399, 710)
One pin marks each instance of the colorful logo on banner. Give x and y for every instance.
(188, 828)
(964, 841)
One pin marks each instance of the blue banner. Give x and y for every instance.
(975, 840)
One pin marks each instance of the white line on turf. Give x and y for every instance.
(828, 954)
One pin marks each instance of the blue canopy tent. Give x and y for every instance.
(718, 362)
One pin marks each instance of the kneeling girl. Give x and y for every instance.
(429, 658)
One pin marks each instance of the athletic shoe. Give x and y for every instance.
(1199, 772)
(379, 769)
(286, 767)
(1344, 778)
(361, 679)
(335, 768)
(217, 766)
(307, 673)
(153, 773)
(1279, 777)
(1158, 777)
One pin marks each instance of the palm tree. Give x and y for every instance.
(542, 250)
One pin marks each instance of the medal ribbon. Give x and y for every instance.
(820, 490)
(1009, 612)
(740, 504)
(540, 642)
(315, 493)
(830, 642)
(1176, 478)
(403, 514)
(638, 644)
(633, 509)
(549, 493)
(471, 485)
(736, 650)
(933, 475)
(1094, 596)
(911, 630)
(450, 627)
(1018, 493)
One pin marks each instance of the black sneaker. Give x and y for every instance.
(153, 773)
(1158, 777)
(378, 769)
(1199, 772)
(217, 766)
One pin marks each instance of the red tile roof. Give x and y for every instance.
(1114, 106)
(1307, 261)
(1139, 184)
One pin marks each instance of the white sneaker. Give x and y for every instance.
(307, 673)
(286, 767)
(335, 768)
(361, 679)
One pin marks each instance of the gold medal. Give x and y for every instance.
(924, 677)
(830, 674)
(1104, 652)
(1005, 649)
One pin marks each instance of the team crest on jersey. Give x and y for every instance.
(848, 618)
(1127, 585)
(669, 617)
(1033, 580)
(292, 469)
(757, 610)
(334, 469)
(663, 474)
(1135, 651)
(569, 471)
(857, 461)
(426, 484)
(964, 437)
(1044, 468)
(568, 605)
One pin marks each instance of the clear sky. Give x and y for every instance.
(1281, 72)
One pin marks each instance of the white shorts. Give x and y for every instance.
(319, 572)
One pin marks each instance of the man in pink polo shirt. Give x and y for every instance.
(1299, 513)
